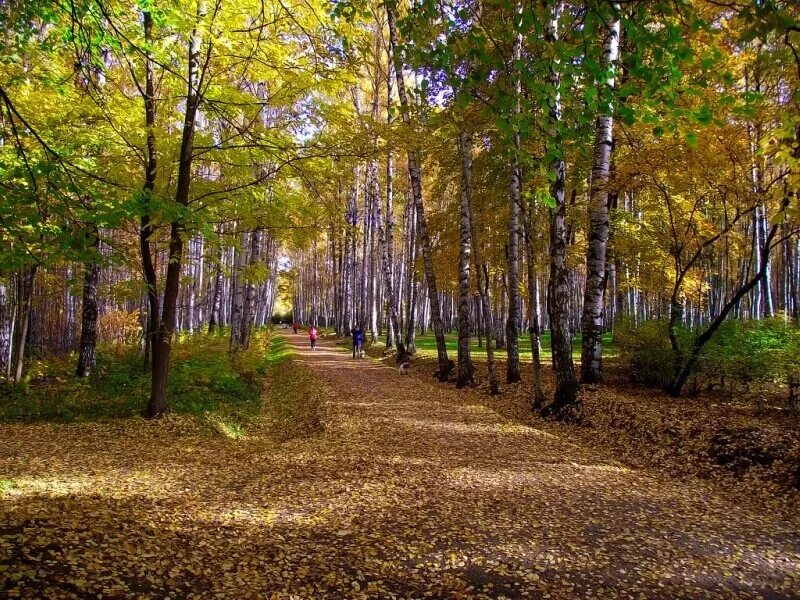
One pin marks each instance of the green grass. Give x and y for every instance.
(426, 346)
(293, 401)
(204, 381)
(6, 485)
(279, 353)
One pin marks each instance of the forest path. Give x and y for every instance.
(412, 490)
(477, 504)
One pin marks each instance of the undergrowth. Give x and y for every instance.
(223, 392)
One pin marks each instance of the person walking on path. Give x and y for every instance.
(358, 342)
(312, 336)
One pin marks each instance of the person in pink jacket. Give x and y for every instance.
(312, 336)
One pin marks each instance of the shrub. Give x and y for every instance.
(766, 351)
(119, 328)
(204, 381)
(645, 348)
(740, 353)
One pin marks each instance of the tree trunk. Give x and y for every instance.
(594, 292)
(87, 351)
(248, 309)
(482, 277)
(512, 248)
(6, 329)
(393, 336)
(445, 364)
(558, 288)
(157, 404)
(466, 370)
(534, 327)
(216, 298)
(237, 294)
(145, 225)
(24, 300)
(412, 288)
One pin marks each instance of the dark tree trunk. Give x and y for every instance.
(145, 226)
(157, 404)
(466, 370)
(87, 350)
(683, 373)
(445, 364)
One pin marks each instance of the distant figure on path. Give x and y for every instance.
(312, 336)
(295, 326)
(358, 342)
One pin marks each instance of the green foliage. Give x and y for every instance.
(766, 351)
(646, 350)
(205, 381)
(739, 354)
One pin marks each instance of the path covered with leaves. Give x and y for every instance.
(401, 489)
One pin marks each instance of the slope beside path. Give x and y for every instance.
(411, 491)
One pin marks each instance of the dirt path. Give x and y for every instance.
(410, 492)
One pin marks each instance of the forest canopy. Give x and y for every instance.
(490, 167)
(399, 299)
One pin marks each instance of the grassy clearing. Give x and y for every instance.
(426, 346)
(223, 392)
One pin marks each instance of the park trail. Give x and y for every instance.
(411, 490)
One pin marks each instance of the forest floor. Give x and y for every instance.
(743, 440)
(357, 482)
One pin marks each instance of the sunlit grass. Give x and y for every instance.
(426, 346)
(204, 380)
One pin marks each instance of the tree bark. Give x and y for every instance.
(412, 289)
(248, 309)
(24, 299)
(157, 404)
(6, 329)
(534, 326)
(87, 349)
(445, 364)
(237, 294)
(216, 298)
(145, 226)
(466, 370)
(558, 288)
(512, 248)
(393, 336)
(594, 293)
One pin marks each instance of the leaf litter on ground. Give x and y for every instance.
(402, 488)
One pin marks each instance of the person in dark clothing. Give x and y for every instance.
(358, 342)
